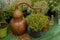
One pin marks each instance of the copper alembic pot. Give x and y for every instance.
(18, 24)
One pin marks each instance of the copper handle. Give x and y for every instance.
(16, 7)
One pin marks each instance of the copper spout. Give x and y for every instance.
(20, 3)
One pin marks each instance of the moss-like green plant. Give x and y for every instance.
(57, 10)
(23, 6)
(53, 3)
(4, 10)
(36, 21)
(43, 5)
(3, 32)
(3, 17)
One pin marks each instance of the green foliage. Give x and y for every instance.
(33, 1)
(3, 5)
(23, 6)
(3, 16)
(43, 5)
(57, 9)
(53, 3)
(4, 11)
(36, 21)
(3, 32)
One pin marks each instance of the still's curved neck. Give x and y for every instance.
(20, 3)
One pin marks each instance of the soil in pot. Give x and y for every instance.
(3, 30)
(34, 34)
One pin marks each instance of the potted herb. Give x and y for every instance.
(43, 5)
(3, 24)
(36, 22)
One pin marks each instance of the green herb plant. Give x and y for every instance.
(4, 11)
(53, 3)
(36, 21)
(3, 17)
(57, 10)
(43, 5)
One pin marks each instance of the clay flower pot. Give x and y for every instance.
(46, 28)
(3, 30)
(34, 34)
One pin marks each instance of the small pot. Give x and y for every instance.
(3, 30)
(46, 28)
(34, 33)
